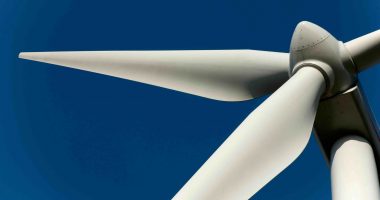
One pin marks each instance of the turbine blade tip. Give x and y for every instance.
(30, 56)
(21, 55)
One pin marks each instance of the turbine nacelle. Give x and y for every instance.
(313, 46)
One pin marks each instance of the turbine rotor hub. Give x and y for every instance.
(312, 46)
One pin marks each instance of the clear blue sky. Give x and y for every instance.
(66, 134)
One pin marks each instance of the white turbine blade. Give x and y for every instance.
(229, 75)
(267, 141)
(365, 50)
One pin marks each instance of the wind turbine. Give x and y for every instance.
(315, 84)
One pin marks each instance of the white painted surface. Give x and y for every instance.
(267, 141)
(353, 170)
(229, 75)
(365, 50)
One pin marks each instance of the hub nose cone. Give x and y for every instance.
(307, 35)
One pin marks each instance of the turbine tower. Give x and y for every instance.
(315, 84)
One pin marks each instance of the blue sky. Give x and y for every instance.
(66, 134)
